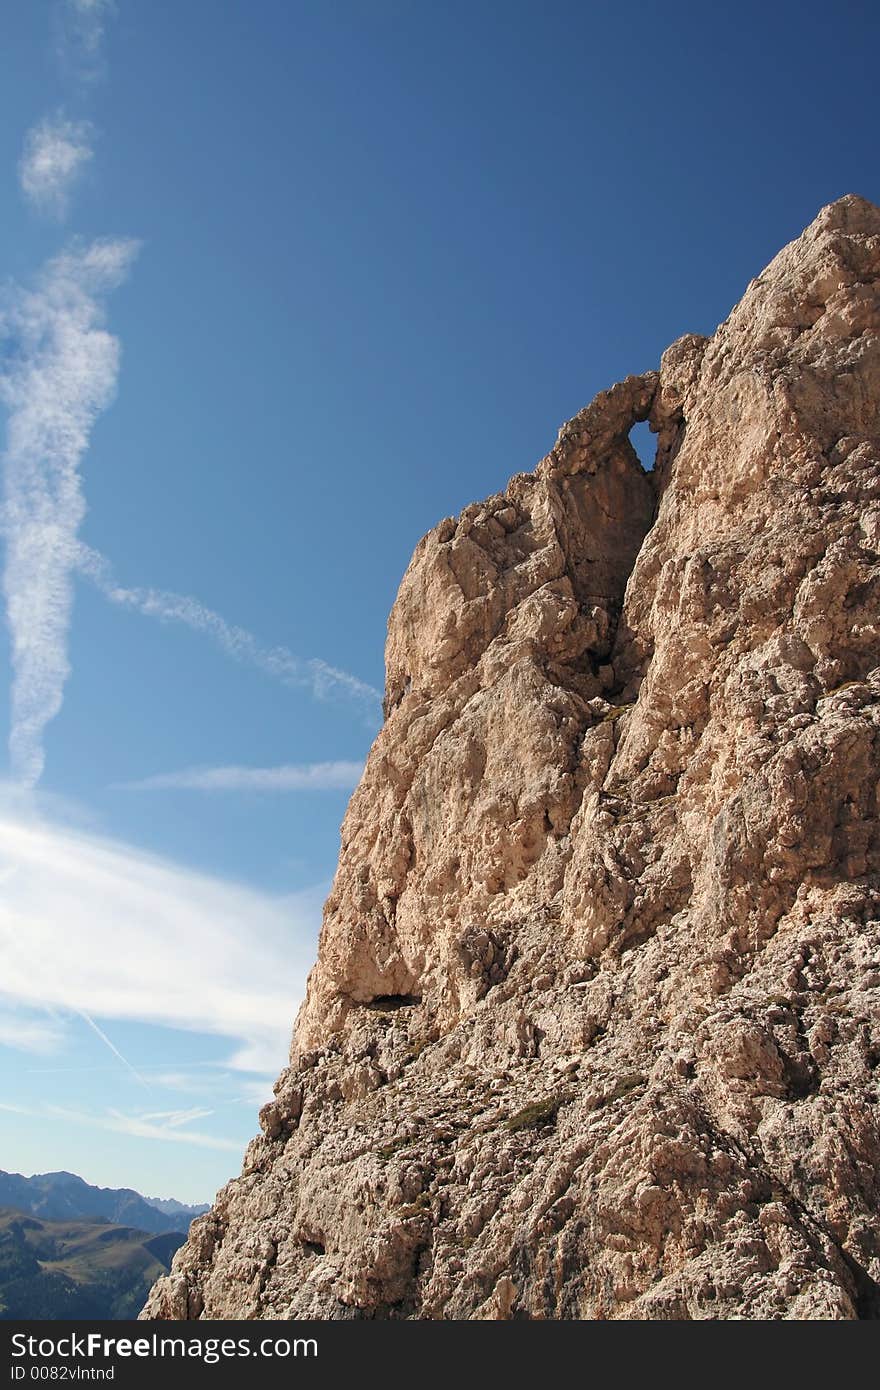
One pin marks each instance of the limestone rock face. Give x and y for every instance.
(594, 1030)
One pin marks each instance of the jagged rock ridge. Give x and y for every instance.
(594, 1026)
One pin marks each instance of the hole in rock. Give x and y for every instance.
(394, 1001)
(645, 444)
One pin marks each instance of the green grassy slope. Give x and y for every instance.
(77, 1269)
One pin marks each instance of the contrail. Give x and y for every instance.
(289, 777)
(311, 673)
(115, 1050)
(57, 374)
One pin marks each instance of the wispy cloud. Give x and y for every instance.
(140, 1128)
(171, 1126)
(92, 926)
(190, 1079)
(57, 374)
(291, 777)
(58, 371)
(90, 16)
(223, 1085)
(173, 1119)
(255, 1092)
(58, 149)
(323, 680)
(82, 25)
(56, 153)
(29, 1033)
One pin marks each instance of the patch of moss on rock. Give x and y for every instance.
(539, 1112)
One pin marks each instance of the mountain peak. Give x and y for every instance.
(593, 1028)
(852, 212)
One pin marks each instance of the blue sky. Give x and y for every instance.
(285, 284)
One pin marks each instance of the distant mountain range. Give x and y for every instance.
(66, 1197)
(176, 1209)
(77, 1269)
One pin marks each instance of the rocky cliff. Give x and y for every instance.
(595, 1026)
